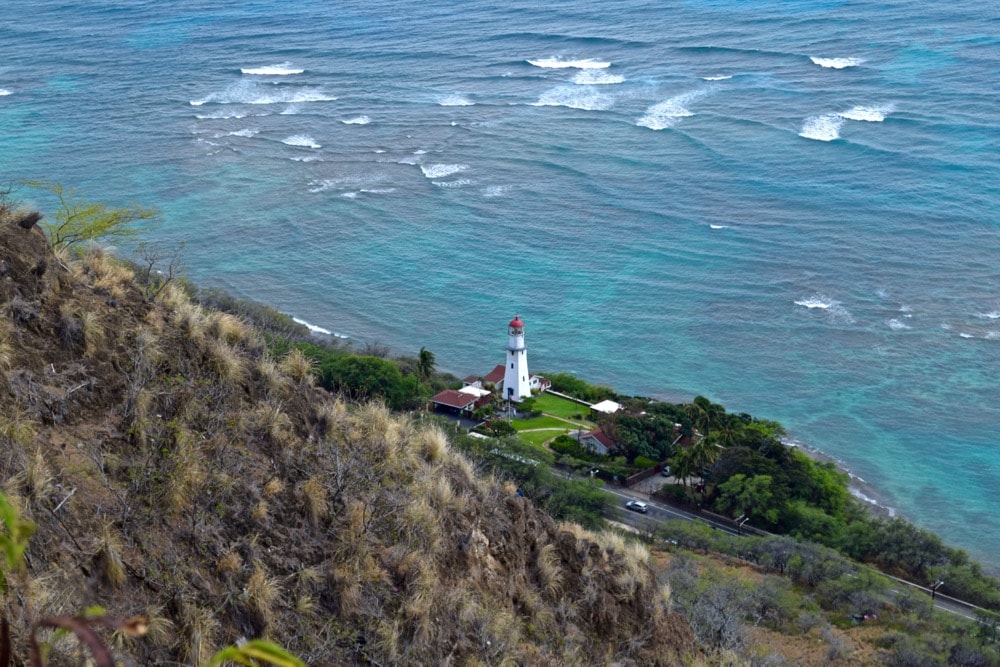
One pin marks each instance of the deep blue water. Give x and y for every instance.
(788, 207)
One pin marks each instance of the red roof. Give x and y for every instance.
(516, 322)
(496, 375)
(454, 399)
(601, 437)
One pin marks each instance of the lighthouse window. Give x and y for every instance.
(512, 365)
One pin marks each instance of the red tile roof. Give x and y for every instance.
(454, 399)
(602, 438)
(496, 375)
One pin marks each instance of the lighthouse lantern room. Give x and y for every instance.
(516, 383)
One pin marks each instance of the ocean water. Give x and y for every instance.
(790, 207)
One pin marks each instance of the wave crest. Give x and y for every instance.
(455, 101)
(596, 77)
(251, 92)
(442, 170)
(558, 63)
(837, 63)
(301, 140)
(575, 97)
(668, 113)
(822, 128)
(281, 69)
(871, 114)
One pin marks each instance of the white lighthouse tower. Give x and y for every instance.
(516, 384)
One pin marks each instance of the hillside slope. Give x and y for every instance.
(175, 470)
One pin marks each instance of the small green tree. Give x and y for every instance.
(78, 221)
(425, 364)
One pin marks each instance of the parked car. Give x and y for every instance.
(665, 472)
(637, 506)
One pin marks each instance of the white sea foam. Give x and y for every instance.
(992, 315)
(290, 110)
(442, 170)
(831, 306)
(350, 195)
(378, 191)
(719, 226)
(596, 77)
(558, 63)
(252, 92)
(318, 330)
(897, 325)
(870, 114)
(455, 101)
(822, 128)
(837, 63)
(357, 120)
(815, 302)
(216, 115)
(301, 140)
(668, 113)
(496, 190)
(461, 182)
(992, 335)
(575, 97)
(281, 69)
(718, 77)
(306, 158)
(4, 92)
(247, 132)
(966, 335)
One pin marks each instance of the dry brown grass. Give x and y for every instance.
(201, 629)
(227, 328)
(270, 376)
(262, 591)
(228, 563)
(261, 510)
(108, 557)
(227, 362)
(550, 570)
(434, 443)
(93, 332)
(274, 487)
(314, 494)
(298, 366)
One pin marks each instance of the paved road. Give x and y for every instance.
(659, 512)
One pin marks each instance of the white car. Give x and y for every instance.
(637, 506)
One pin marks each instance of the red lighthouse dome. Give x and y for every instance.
(516, 323)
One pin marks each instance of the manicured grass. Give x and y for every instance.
(560, 407)
(538, 437)
(539, 422)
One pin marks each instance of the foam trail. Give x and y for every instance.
(461, 182)
(316, 329)
(301, 140)
(897, 325)
(442, 170)
(252, 92)
(281, 69)
(718, 77)
(244, 133)
(4, 92)
(822, 128)
(992, 315)
(837, 63)
(455, 101)
(557, 63)
(668, 113)
(815, 302)
(595, 77)
(575, 97)
(869, 114)
(719, 226)
(357, 120)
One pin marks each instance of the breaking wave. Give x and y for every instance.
(837, 63)
(282, 69)
(558, 63)
(822, 128)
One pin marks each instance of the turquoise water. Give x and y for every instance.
(788, 207)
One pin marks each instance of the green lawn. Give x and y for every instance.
(538, 437)
(539, 422)
(560, 407)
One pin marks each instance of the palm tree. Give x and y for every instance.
(682, 465)
(425, 364)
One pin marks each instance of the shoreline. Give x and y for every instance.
(859, 488)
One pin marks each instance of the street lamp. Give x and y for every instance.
(935, 586)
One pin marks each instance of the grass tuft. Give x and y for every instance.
(262, 592)
(314, 494)
(108, 557)
(298, 366)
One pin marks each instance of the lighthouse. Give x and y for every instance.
(516, 381)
